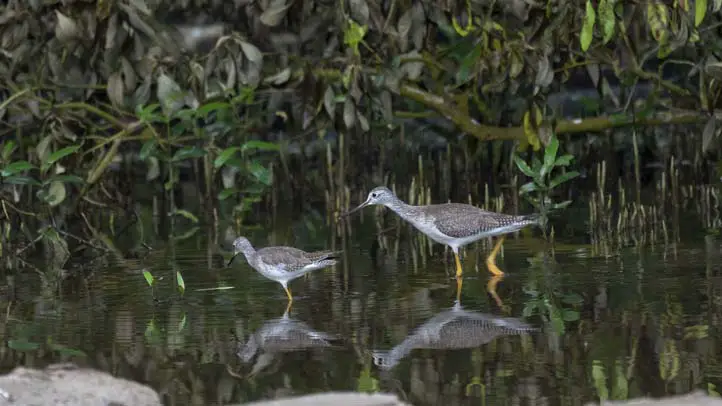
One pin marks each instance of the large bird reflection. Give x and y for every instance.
(282, 335)
(452, 329)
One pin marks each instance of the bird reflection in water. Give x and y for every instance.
(278, 336)
(455, 328)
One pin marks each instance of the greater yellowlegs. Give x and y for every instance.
(282, 264)
(453, 329)
(453, 224)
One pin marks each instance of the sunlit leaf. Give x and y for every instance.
(349, 113)
(562, 205)
(528, 188)
(55, 194)
(275, 12)
(169, 94)
(180, 282)
(16, 167)
(8, 149)
(564, 160)
(148, 277)
(252, 52)
(66, 29)
(606, 19)
(700, 9)
(587, 34)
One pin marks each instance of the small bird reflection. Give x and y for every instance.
(452, 329)
(282, 335)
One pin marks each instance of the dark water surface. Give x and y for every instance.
(643, 321)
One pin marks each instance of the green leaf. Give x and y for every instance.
(8, 150)
(148, 277)
(66, 179)
(53, 194)
(206, 109)
(550, 156)
(564, 177)
(148, 149)
(523, 166)
(58, 155)
(226, 193)
(21, 180)
(572, 299)
(23, 345)
(585, 38)
(65, 351)
(564, 160)
(188, 153)
(529, 309)
(180, 282)
(260, 145)
(528, 188)
(261, 173)
(225, 156)
(606, 19)
(16, 167)
(570, 315)
(700, 9)
(562, 205)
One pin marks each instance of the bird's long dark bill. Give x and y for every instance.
(359, 207)
(231, 260)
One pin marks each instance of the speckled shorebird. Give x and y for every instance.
(282, 264)
(453, 224)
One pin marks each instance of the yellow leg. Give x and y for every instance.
(459, 271)
(288, 293)
(288, 307)
(491, 288)
(459, 283)
(491, 260)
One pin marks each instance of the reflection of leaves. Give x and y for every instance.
(23, 345)
(367, 383)
(599, 376)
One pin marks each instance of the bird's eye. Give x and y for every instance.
(374, 195)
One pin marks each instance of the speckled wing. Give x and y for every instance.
(294, 259)
(462, 220)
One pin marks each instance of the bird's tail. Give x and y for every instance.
(534, 218)
(329, 255)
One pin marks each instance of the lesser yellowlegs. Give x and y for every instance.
(453, 224)
(282, 264)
